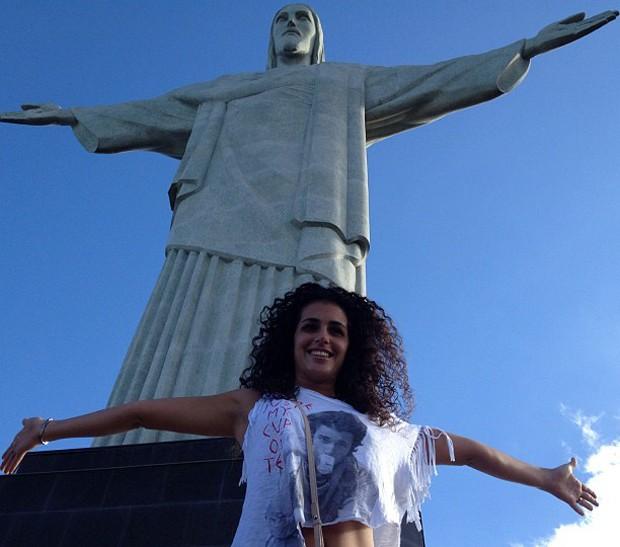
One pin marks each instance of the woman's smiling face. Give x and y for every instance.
(320, 346)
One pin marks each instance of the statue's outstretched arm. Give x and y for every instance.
(566, 31)
(40, 114)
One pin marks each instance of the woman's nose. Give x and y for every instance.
(321, 337)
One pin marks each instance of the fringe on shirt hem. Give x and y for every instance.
(423, 466)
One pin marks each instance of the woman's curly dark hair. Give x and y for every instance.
(373, 378)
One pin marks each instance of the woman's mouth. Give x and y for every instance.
(320, 353)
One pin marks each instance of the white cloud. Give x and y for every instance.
(585, 423)
(598, 528)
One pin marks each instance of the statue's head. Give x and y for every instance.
(296, 37)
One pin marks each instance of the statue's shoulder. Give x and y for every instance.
(247, 83)
(200, 89)
(345, 68)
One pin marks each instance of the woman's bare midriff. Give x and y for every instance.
(343, 534)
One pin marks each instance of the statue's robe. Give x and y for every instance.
(271, 192)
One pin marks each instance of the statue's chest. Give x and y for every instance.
(280, 113)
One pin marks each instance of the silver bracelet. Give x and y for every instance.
(43, 428)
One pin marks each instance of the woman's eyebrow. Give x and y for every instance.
(317, 320)
(309, 319)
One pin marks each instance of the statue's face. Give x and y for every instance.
(293, 33)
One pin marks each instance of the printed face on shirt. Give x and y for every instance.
(330, 448)
(294, 31)
(320, 346)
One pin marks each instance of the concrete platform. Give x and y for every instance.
(173, 494)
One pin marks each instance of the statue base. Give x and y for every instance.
(169, 494)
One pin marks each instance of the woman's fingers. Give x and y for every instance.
(6, 461)
(585, 504)
(12, 463)
(577, 509)
(8, 458)
(587, 498)
(7, 453)
(24, 441)
(589, 491)
(7, 465)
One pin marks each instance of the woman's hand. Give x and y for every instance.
(24, 441)
(564, 485)
(40, 114)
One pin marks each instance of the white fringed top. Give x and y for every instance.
(371, 474)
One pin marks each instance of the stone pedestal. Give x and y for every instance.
(174, 494)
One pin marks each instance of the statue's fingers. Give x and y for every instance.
(591, 26)
(29, 117)
(600, 19)
(42, 106)
(573, 18)
(12, 116)
(608, 15)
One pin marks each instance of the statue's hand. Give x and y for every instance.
(44, 114)
(566, 31)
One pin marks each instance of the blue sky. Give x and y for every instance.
(494, 231)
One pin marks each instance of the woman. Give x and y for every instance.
(337, 357)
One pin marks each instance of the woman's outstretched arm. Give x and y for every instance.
(558, 481)
(223, 415)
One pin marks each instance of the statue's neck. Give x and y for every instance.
(293, 59)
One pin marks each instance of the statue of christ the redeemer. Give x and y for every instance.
(271, 189)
